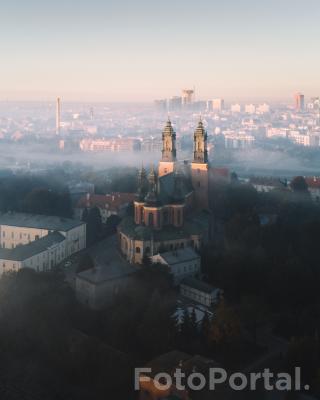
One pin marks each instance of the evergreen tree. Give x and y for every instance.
(85, 215)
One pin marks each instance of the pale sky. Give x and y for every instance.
(139, 50)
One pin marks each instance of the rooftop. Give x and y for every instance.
(107, 272)
(198, 285)
(313, 182)
(111, 201)
(21, 253)
(196, 225)
(169, 362)
(179, 256)
(50, 223)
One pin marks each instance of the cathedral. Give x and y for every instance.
(171, 204)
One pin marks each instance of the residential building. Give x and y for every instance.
(314, 187)
(236, 108)
(266, 184)
(41, 255)
(20, 229)
(250, 109)
(108, 204)
(113, 145)
(200, 292)
(239, 141)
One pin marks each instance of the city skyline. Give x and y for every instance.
(104, 51)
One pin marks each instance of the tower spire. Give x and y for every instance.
(200, 151)
(169, 152)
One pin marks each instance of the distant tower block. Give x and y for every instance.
(187, 96)
(299, 101)
(91, 114)
(58, 116)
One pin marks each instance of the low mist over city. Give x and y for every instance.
(159, 200)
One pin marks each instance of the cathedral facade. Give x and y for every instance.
(171, 205)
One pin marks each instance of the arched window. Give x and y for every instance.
(138, 250)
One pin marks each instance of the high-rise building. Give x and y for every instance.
(299, 101)
(187, 96)
(250, 109)
(315, 102)
(175, 103)
(217, 104)
(236, 108)
(161, 105)
(58, 116)
(263, 108)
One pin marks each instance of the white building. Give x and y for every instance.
(239, 141)
(40, 255)
(263, 108)
(181, 262)
(21, 229)
(200, 292)
(266, 184)
(236, 108)
(306, 140)
(277, 132)
(217, 104)
(250, 109)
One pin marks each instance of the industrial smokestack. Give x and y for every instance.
(58, 116)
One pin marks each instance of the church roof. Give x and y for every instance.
(168, 129)
(197, 225)
(167, 188)
(200, 129)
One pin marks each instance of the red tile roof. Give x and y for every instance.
(111, 201)
(313, 182)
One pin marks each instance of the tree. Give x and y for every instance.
(299, 185)
(85, 215)
(157, 330)
(193, 324)
(94, 225)
(47, 202)
(205, 326)
(225, 327)
(252, 313)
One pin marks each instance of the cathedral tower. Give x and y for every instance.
(200, 167)
(169, 152)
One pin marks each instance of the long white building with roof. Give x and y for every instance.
(38, 241)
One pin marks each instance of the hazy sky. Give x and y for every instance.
(139, 50)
